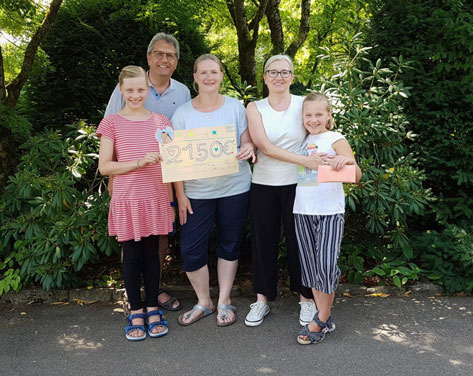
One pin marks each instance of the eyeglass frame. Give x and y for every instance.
(289, 73)
(171, 56)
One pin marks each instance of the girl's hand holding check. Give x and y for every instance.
(338, 161)
(150, 158)
(315, 160)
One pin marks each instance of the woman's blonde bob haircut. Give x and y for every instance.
(319, 97)
(131, 71)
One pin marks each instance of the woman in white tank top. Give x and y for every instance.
(276, 128)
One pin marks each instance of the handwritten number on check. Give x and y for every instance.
(202, 150)
(200, 153)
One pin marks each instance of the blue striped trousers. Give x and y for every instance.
(319, 238)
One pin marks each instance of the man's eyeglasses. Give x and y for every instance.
(273, 73)
(169, 55)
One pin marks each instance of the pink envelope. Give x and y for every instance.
(346, 175)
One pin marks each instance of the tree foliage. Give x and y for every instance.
(294, 27)
(17, 17)
(437, 36)
(89, 44)
(9, 93)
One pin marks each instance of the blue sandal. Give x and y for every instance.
(132, 327)
(315, 337)
(152, 325)
(330, 325)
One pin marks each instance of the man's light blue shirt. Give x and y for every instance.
(174, 96)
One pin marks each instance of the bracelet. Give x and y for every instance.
(138, 164)
(173, 203)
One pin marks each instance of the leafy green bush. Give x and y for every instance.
(436, 35)
(18, 125)
(369, 100)
(53, 212)
(447, 257)
(390, 267)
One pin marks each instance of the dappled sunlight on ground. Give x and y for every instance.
(423, 342)
(76, 342)
(416, 332)
(389, 332)
(265, 370)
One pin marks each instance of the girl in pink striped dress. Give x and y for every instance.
(140, 208)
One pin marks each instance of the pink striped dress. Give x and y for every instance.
(140, 202)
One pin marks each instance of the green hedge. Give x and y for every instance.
(437, 37)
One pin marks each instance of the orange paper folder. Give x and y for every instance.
(346, 175)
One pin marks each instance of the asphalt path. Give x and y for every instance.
(374, 336)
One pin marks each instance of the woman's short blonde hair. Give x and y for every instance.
(319, 97)
(131, 71)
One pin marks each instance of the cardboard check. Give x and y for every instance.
(199, 153)
(347, 174)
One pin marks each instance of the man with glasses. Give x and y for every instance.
(164, 96)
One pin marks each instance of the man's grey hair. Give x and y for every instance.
(165, 37)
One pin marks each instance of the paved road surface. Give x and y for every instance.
(374, 336)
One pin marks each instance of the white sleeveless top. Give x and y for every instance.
(322, 198)
(283, 129)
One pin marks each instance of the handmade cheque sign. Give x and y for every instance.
(199, 153)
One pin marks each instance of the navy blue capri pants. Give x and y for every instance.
(228, 214)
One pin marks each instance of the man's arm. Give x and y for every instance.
(116, 102)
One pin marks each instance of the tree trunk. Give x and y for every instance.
(247, 33)
(3, 91)
(13, 89)
(304, 28)
(7, 156)
(275, 26)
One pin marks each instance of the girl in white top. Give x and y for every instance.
(319, 216)
(275, 125)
